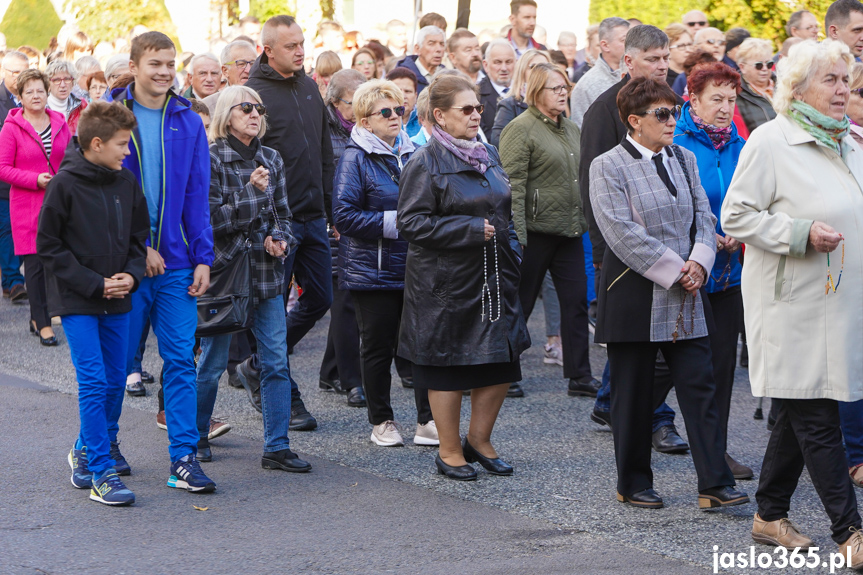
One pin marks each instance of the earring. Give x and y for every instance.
(639, 134)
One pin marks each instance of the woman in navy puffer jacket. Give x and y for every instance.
(371, 254)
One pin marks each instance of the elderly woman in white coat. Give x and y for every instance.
(796, 201)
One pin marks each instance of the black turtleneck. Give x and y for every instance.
(248, 153)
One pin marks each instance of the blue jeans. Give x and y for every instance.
(139, 353)
(663, 415)
(98, 345)
(588, 268)
(851, 421)
(10, 264)
(270, 332)
(164, 299)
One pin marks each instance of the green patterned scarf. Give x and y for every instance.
(826, 131)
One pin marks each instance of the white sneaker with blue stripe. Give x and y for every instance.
(110, 490)
(186, 473)
(81, 476)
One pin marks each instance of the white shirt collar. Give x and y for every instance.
(422, 69)
(498, 88)
(646, 153)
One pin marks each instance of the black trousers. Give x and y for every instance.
(564, 258)
(342, 355)
(34, 277)
(634, 397)
(807, 433)
(379, 313)
(727, 307)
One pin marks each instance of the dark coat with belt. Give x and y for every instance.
(443, 203)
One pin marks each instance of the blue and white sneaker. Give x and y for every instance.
(120, 464)
(186, 474)
(81, 476)
(109, 489)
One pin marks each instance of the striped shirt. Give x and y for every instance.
(46, 139)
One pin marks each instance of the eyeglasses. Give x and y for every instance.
(346, 102)
(683, 46)
(858, 92)
(388, 112)
(13, 73)
(58, 81)
(715, 42)
(247, 108)
(240, 63)
(468, 110)
(558, 90)
(365, 63)
(760, 65)
(701, 23)
(663, 114)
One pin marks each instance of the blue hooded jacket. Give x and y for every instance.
(184, 237)
(715, 167)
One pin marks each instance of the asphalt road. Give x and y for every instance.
(364, 509)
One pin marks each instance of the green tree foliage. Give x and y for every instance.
(763, 18)
(266, 9)
(32, 22)
(110, 19)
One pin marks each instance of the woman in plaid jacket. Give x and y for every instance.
(248, 204)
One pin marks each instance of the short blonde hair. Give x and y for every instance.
(674, 31)
(539, 75)
(799, 69)
(328, 63)
(753, 50)
(372, 92)
(522, 71)
(222, 114)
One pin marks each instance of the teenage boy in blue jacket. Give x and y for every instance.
(171, 159)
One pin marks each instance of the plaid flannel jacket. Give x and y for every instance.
(239, 212)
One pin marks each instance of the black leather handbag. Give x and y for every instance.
(227, 305)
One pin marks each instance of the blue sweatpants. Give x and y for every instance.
(164, 299)
(98, 345)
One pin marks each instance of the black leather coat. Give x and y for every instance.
(442, 205)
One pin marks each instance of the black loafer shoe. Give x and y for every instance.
(408, 382)
(205, 454)
(301, 419)
(251, 380)
(601, 417)
(332, 385)
(49, 341)
(234, 380)
(647, 499)
(667, 440)
(286, 460)
(146, 377)
(462, 473)
(494, 466)
(515, 390)
(136, 389)
(725, 496)
(357, 397)
(586, 389)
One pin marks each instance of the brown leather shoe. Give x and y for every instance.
(160, 421)
(855, 543)
(738, 470)
(780, 533)
(218, 428)
(856, 474)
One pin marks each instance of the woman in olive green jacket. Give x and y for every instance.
(540, 153)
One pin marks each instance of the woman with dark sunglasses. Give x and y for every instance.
(372, 254)
(540, 152)
(755, 58)
(653, 213)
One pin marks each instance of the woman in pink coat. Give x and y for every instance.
(32, 144)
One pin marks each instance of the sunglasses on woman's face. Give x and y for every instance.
(387, 112)
(247, 108)
(468, 110)
(858, 92)
(664, 114)
(761, 65)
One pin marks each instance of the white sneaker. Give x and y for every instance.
(387, 434)
(553, 355)
(426, 434)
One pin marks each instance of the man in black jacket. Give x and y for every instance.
(646, 55)
(499, 65)
(298, 130)
(10, 265)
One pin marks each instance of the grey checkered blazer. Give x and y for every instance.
(648, 230)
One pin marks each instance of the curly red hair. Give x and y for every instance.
(717, 73)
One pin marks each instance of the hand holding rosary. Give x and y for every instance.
(830, 284)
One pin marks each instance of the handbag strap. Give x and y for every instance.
(681, 159)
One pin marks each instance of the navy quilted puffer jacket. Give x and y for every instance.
(366, 194)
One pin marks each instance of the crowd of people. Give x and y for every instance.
(674, 192)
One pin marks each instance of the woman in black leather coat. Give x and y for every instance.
(462, 324)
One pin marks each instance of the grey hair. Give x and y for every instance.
(426, 32)
(222, 113)
(202, 56)
(566, 34)
(229, 48)
(116, 62)
(86, 64)
(61, 66)
(494, 44)
(644, 37)
(800, 68)
(703, 32)
(607, 27)
(794, 20)
(16, 55)
(423, 105)
(346, 80)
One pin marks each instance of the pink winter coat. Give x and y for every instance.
(22, 159)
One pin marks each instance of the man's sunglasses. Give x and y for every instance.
(247, 108)
(468, 110)
(760, 65)
(388, 112)
(691, 24)
(664, 114)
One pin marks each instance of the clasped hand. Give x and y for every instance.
(693, 277)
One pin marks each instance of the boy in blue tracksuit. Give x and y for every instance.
(171, 159)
